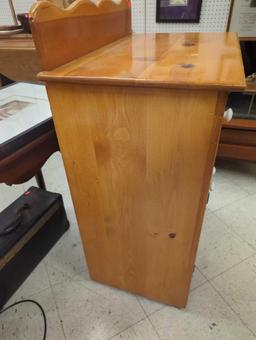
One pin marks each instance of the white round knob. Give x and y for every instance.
(212, 183)
(212, 186)
(228, 115)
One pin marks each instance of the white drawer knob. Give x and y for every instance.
(212, 183)
(228, 115)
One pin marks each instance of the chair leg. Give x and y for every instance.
(40, 180)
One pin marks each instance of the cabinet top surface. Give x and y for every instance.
(190, 60)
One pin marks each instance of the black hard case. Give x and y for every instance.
(41, 221)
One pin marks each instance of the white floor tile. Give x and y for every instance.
(224, 193)
(30, 183)
(150, 306)
(238, 286)
(55, 161)
(92, 311)
(240, 217)
(25, 321)
(143, 330)
(206, 317)
(197, 279)
(219, 249)
(241, 173)
(54, 174)
(8, 194)
(66, 259)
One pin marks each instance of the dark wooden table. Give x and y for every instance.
(23, 155)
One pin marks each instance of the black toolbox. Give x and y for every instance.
(29, 228)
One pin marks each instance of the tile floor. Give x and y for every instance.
(222, 302)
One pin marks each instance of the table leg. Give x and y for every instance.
(40, 180)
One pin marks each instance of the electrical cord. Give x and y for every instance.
(29, 301)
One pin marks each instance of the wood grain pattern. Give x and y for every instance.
(62, 35)
(28, 159)
(238, 152)
(247, 38)
(190, 60)
(18, 58)
(238, 140)
(138, 122)
(139, 169)
(238, 137)
(243, 124)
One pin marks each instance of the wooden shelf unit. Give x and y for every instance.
(238, 137)
(19, 61)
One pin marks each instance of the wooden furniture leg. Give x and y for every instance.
(40, 180)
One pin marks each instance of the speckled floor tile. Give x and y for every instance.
(240, 217)
(238, 287)
(25, 322)
(142, 330)
(93, 311)
(8, 194)
(206, 317)
(240, 173)
(224, 193)
(219, 249)
(66, 259)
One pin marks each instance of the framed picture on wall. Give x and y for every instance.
(243, 18)
(178, 10)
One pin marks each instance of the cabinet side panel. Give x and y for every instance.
(139, 163)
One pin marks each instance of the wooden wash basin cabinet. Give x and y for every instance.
(138, 119)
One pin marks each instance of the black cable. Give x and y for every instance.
(37, 304)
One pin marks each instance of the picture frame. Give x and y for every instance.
(178, 11)
(242, 19)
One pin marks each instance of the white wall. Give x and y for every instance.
(21, 6)
(214, 16)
